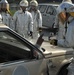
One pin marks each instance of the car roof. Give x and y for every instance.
(48, 4)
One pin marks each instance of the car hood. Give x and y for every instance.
(52, 51)
(57, 51)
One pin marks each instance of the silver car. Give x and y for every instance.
(20, 57)
(48, 13)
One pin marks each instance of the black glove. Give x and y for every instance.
(39, 30)
(53, 42)
(31, 33)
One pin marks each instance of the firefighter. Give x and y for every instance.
(69, 37)
(6, 15)
(23, 20)
(61, 21)
(37, 18)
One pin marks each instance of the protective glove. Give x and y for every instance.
(39, 29)
(31, 33)
(53, 42)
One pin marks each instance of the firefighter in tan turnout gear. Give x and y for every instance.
(37, 18)
(6, 15)
(23, 20)
(64, 22)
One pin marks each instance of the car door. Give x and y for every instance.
(50, 16)
(24, 67)
(19, 57)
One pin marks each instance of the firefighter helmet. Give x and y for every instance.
(34, 3)
(4, 4)
(24, 3)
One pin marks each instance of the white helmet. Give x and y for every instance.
(24, 3)
(4, 4)
(4, 1)
(67, 1)
(34, 3)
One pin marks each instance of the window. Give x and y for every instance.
(9, 38)
(55, 7)
(42, 8)
(12, 48)
(50, 10)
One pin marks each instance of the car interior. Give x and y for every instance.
(12, 53)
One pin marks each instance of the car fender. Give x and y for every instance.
(64, 64)
(66, 61)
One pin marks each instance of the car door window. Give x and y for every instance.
(42, 8)
(50, 10)
(12, 48)
(8, 38)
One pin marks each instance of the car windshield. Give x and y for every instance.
(5, 37)
(12, 48)
(10, 39)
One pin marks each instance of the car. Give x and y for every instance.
(48, 12)
(18, 56)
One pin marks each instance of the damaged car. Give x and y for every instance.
(20, 57)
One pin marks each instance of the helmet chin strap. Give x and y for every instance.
(4, 10)
(34, 9)
(23, 10)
